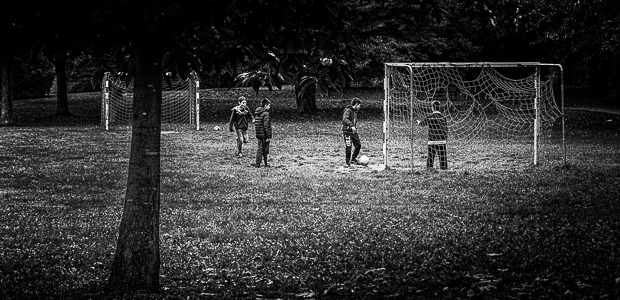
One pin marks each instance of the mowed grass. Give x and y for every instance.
(306, 229)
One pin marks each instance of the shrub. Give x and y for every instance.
(32, 78)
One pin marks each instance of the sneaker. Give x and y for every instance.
(240, 154)
(255, 165)
(267, 166)
(348, 164)
(355, 162)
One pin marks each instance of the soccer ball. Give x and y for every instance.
(363, 160)
(216, 128)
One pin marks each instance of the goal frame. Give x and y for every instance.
(193, 94)
(536, 122)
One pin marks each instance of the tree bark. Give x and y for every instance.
(306, 104)
(136, 262)
(6, 97)
(594, 80)
(60, 65)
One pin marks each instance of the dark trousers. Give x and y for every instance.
(352, 139)
(439, 150)
(262, 152)
(242, 138)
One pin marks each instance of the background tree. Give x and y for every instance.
(32, 75)
(10, 26)
(6, 97)
(61, 34)
(402, 31)
(589, 40)
(288, 39)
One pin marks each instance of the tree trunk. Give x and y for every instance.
(306, 104)
(136, 262)
(62, 100)
(594, 81)
(6, 97)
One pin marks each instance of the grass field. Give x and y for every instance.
(306, 228)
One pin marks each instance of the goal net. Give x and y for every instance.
(180, 101)
(486, 115)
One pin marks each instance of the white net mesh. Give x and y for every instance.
(179, 101)
(487, 115)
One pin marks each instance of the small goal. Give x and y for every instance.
(498, 115)
(180, 101)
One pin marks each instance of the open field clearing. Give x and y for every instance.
(491, 227)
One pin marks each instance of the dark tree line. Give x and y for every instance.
(581, 35)
(316, 45)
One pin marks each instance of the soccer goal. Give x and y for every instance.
(180, 101)
(498, 115)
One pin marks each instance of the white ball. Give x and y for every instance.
(216, 128)
(364, 160)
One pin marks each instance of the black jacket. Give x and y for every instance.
(262, 123)
(349, 119)
(240, 117)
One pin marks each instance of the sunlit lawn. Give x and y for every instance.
(306, 228)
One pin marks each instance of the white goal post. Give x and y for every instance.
(180, 101)
(492, 109)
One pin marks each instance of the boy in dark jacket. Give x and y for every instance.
(239, 119)
(437, 136)
(262, 126)
(349, 131)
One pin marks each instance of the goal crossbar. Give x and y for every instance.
(467, 64)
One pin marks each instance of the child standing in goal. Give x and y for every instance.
(437, 136)
(239, 120)
(349, 131)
